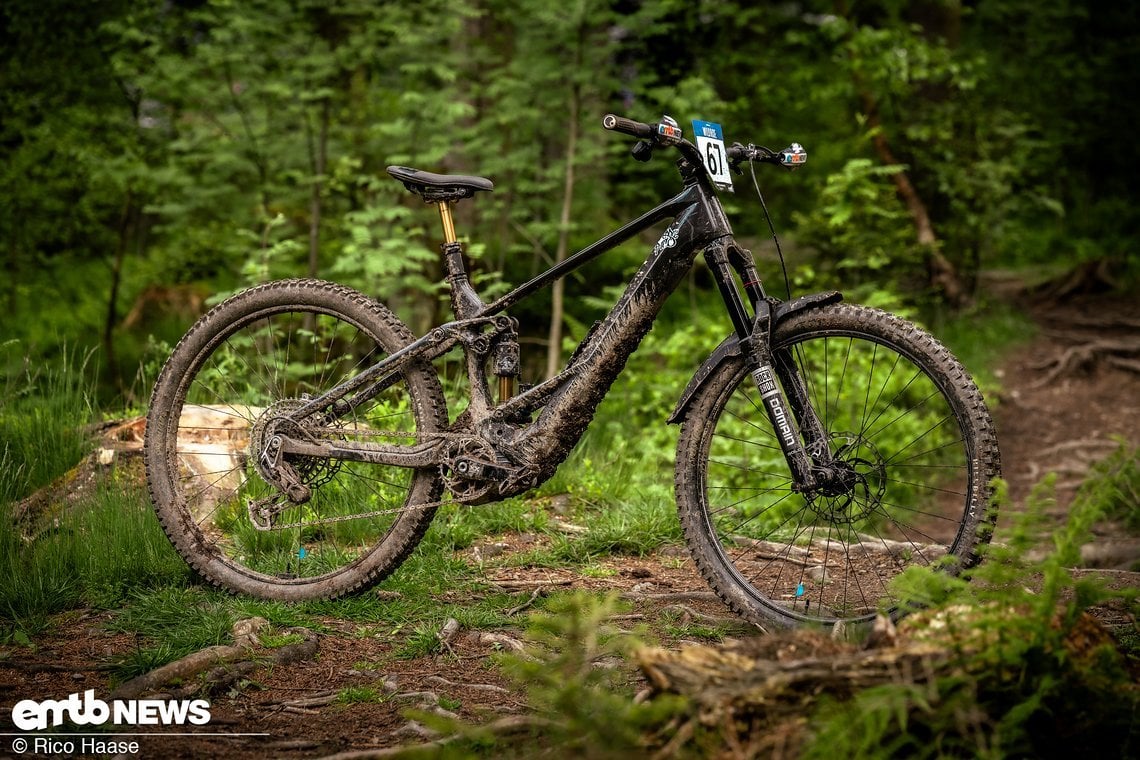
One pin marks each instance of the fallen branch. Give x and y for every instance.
(477, 686)
(503, 727)
(719, 620)
(186, 668)
(508, 584)
(500, 640)
(516, 610)
(671, 596)
(222, 664)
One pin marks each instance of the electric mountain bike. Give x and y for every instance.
(298, 440)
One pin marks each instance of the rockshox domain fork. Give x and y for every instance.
(791, 412)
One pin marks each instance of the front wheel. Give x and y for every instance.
(905, 425)
(241, 369)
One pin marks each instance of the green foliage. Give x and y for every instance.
(43, 408)
(352, 695)
(864, 236)
(580, 696)
(142, 158)
(1112, 487)
(1033, 658)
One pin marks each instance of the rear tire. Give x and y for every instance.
(259, 354)
(906, 420)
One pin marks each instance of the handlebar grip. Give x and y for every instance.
(626, 126)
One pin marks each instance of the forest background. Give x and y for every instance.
(158, 156)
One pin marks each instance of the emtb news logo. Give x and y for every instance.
(30, 715)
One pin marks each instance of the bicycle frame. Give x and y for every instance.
(569, 400)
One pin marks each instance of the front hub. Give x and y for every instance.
(851, 487)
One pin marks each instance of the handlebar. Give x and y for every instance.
(667, 133)
(627, 126)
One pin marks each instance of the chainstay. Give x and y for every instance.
(332, 431)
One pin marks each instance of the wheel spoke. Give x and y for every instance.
(898, 488)
(245, 370)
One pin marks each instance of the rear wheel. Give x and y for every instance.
(231, 381)
(913, 456)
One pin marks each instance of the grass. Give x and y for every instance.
(107, 552)
(354, 695)
(983, 337)
(43, 410)
(105, 548)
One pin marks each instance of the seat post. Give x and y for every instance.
(448, 222)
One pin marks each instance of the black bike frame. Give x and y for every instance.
(569, 400)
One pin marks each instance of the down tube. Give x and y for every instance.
(569, 412)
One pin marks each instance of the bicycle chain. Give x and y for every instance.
(346, 518)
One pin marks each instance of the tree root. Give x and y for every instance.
(672, 596)
(221, 665)
(755, 690)
(1114, 351)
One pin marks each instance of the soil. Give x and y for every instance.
(1062, 425)
(1057, 426)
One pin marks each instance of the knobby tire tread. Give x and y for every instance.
(887, 329)
(423, 386)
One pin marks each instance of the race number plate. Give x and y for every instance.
(710, 143)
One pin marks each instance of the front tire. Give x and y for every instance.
(258, 355)
(902, 417)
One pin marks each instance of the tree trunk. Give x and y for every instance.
(255, 154)
(127, 222)
(318, 160)
(554, 347)
(943, 274)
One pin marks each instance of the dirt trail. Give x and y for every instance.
(1051, 417)
(1061, 410)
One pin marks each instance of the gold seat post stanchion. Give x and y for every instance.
(506, 388)
(448, 222)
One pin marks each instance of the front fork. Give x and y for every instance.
(801, 435)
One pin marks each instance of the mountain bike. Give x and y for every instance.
(299, 443)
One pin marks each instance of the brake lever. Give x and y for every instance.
(642, 150)
(738, 154)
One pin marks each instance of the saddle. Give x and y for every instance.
(434, 188)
